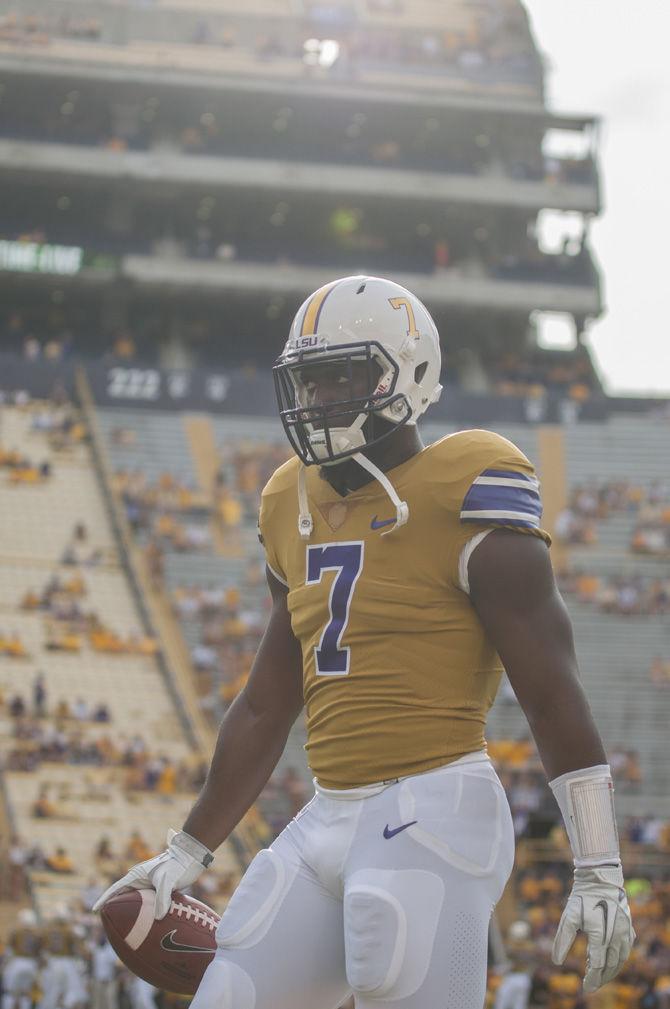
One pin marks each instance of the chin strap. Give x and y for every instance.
(401, 507)
(305, 520)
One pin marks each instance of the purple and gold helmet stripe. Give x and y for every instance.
(312, 314)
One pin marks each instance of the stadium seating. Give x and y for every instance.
(615, 654)
(36, 523)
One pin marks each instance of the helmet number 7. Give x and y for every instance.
(411, 321)
(347, 560)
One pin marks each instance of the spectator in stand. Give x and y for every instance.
(155, 560)
(81, 710)
(295, 788)
(570, 527)
(626, 595)
(124, 347)
(17, 860)
(17, 706)
(633, 771)
(104, 857)
(101, 713)
(137, 849)
(39, 696)
(618, 758)
(60, 862)
(659, 672)
(43, 808)
(12, 646)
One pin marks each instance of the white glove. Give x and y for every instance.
(177, 867)
(597, 906)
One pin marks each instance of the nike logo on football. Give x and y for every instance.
(603, 905)
(380, 523)
(396, 830)
(168, 943)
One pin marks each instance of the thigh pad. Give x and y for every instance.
(256, 902)
(390, 923)
(225, 986)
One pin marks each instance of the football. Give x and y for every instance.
(172, 953)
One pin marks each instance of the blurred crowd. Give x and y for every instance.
(21, 469)
(474, 369)
(541, 890)
(69, 733)
(516, 375)
(90, 120)
(168, 512)
(495, 46)
(623, 595)
(65, 954)
(652, 531)
(35, 29)
(337, 238)
(595, 502)
(223, 619)
(68, 626)
(659, 671)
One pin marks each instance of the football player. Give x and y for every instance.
(20, 973)
(63, 982)
(403, 579)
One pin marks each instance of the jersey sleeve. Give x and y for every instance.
(268, 540)
(497, 489)
(506, 497)
(278, 517)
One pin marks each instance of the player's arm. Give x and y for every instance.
(251, 739)
(513, 591)
(254, 730)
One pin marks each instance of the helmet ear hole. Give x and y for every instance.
(420, 371)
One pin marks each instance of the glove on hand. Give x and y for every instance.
(176, 868)
(597, 906)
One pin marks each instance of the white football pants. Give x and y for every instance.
(63, 983)
(18, 978)
(385, 891)
(142, 994)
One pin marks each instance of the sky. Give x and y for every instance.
(611, 58)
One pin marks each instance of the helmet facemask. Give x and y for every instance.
(329, 399)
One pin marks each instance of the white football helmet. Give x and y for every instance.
(27, 918)
(379, 344)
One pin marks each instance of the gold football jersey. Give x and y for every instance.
(398, 673)
(59, 939)
(25, 942)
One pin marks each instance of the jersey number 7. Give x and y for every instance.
(347, 560)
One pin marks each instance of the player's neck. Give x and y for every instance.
(348, 476)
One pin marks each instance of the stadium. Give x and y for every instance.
(178, 176)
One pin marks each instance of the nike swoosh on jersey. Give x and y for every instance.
(168, 943)
(603, 905)
(380, 523)
(388, 832)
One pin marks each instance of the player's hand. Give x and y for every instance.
(597, 906)
(175, 868)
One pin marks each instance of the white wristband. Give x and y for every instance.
(196, 849)
(586, 800)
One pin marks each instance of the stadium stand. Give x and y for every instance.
(89, 799)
